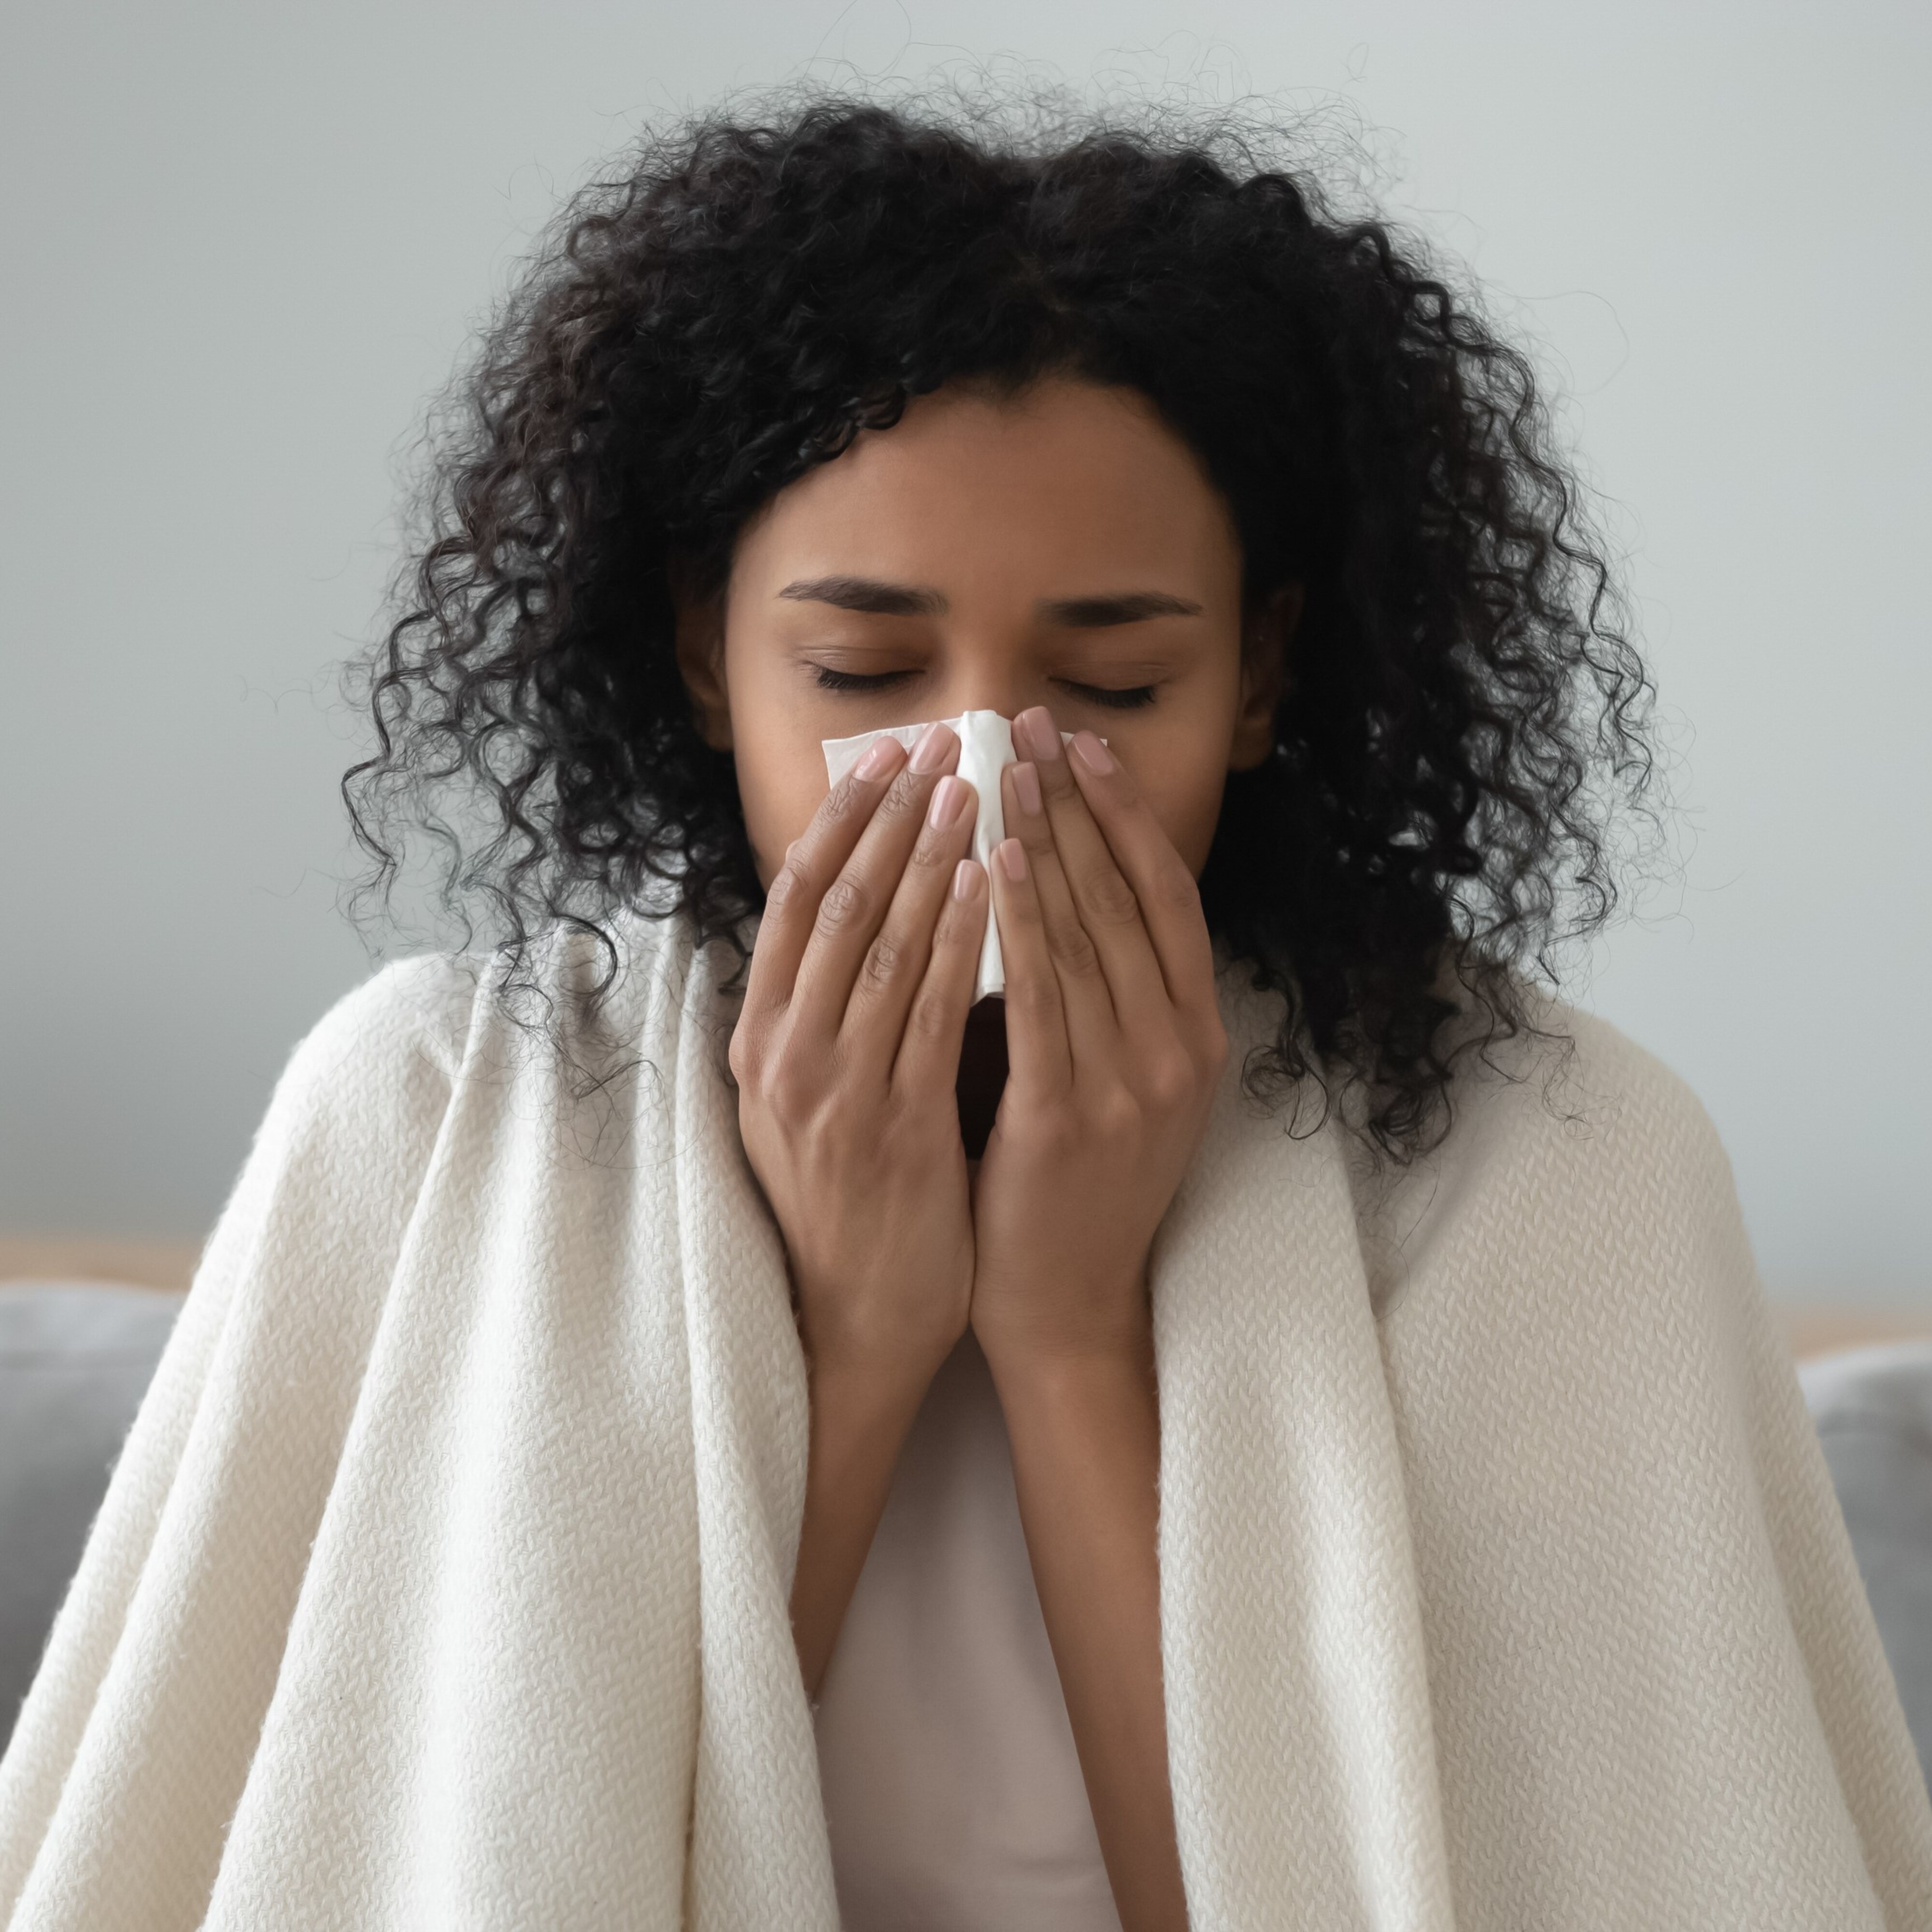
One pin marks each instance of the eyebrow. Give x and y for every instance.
(876, 598)
(1097, 614)
(867, 594)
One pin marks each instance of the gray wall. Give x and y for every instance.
(242, 244)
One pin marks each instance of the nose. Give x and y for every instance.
(1003, 702)
(1008, 702)
(996, 681)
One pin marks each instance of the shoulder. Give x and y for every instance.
(398, 1046)
(414, 1010)
(1596, 1100)
(389, 1052)
(337, 1158)
(1575, 1137)
(1565, 1078)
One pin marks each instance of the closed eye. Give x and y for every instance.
(1129, 699)
(829, 680)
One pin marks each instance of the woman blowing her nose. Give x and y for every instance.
(688, 1418)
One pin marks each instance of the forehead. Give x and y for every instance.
(1061, 485)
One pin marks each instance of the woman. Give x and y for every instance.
(654, 1442)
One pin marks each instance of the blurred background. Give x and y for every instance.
(244, 244)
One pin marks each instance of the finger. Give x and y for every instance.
(895, 964)
(928, 1065)
(853, 905)
(812, 861)
(1093, 1029)
(1039, 1054)
(1166, 891)
(1103, 898)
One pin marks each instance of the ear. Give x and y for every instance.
(700, 656)
(1264, 676)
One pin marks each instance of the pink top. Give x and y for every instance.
(951, 1789)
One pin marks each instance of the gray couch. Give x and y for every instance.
(73, 1363)
(74, 1359)
(1873, 1410)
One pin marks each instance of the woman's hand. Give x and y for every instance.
(1114, 1047)
(846, 1053)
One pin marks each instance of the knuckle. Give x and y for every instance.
(883, 958)
(845, 901)
(1110, 898)
(931, 851)
(902, 795)
(1178, 887)
(844, 798)
(1172, 1078)
(787, 881)
(1076, 952)
(928, 1020)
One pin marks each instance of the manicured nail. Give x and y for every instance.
(930, 752)
(1013, 857)
(1042, 735)
(949, 800)
(874, 759)
(1094, 754)
(1026, 785)
(965, 879)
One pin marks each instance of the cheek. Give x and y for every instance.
(775, 749)
(780, 792)
(1188, 805)
(1180, 759)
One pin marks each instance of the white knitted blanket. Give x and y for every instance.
(443, 1581)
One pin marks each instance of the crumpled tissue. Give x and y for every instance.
(985, 747)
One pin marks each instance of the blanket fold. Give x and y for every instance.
(442, 1581)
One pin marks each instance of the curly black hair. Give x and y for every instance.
(747, 292)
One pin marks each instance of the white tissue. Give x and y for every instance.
(985, 746)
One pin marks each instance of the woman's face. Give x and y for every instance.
(1062, 548)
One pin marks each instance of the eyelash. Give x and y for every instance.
(1130, 699)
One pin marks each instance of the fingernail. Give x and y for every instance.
(1043, 734)
(875, 758)
(1094, 754)
(930, 752)
(965, 879)
(1026, 784)
(1013, 857)
(949, 800)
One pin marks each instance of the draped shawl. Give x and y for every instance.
(443, 1580)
